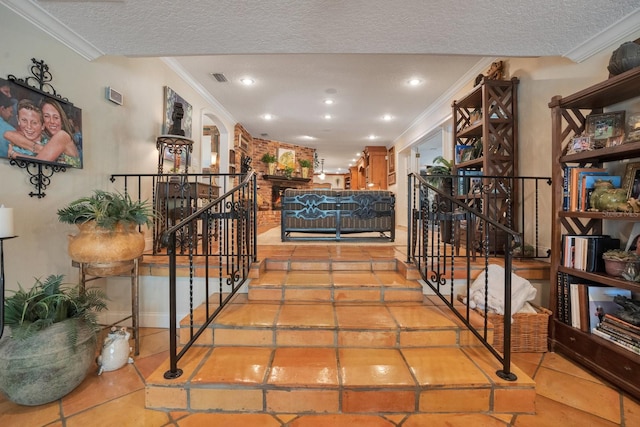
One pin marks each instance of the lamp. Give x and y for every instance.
(322, 175)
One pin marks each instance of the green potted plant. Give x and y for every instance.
(439, 175)
(108, 223)
(270, 160)
(49, 341)
(305, 165)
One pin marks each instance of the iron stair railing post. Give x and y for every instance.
(174, 371)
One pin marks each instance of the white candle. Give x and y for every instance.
(6, 222)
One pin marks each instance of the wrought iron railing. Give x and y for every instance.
(448, 230)
(218, 236)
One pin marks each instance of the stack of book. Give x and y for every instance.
(579, 183)
(585, 252)
(619, 332)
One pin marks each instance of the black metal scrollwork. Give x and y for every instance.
(40, 172)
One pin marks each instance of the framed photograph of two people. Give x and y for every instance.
(36, 125)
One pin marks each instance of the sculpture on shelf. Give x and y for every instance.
(495, 72)
(176, 116)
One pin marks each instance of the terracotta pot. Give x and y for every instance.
(45, 366)
(614, 267)
(101, 247)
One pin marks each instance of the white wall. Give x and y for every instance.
(117, 139)
(540, 80)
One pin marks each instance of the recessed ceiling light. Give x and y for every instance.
(353, 160)
(350, 164)
(267, 117)
(328, 101)
(414, 82)
(387, 117)
(358, 154)
(327, 116)
(372, 137)
(307, 137)
(247, 81)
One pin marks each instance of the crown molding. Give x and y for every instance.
(433, 114)
(614, 33)
(37, 16)
(188, 78)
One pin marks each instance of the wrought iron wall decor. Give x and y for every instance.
(40, 131)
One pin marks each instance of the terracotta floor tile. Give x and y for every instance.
(558, 363)
(419, 316)
(254, 314)
(226, 399)
(452, 420)
(370, 367)
(446, 367)
(340, 421)
(549, 413)
(126, 411)
(364, 317)
(303, 400)
(306, 315)
(237, 365)
(579, 393)
(96, 389)
(308, 278)
(304, 366)
(229, 420)
(270, 277)
(12, 414)
(355, 278)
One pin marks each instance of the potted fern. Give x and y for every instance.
(108, 237)
(49, 342)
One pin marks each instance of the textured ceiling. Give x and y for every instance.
(363, 50)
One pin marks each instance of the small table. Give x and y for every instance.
(98, 271)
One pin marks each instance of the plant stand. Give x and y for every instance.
(90, 272)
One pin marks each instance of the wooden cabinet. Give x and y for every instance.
(569, 117)
(485, 140)
(375, 168)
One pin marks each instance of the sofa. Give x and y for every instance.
(337, 215)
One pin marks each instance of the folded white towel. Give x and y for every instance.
(521, 290)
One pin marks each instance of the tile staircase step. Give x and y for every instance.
(327, 335)
(340, 380)
(354, 325)
(334, 286)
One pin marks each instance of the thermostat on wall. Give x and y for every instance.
(114, 96)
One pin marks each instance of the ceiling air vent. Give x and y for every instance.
(219, 77)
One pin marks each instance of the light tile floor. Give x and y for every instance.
(566, 395)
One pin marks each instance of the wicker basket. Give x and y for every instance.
(529, 331)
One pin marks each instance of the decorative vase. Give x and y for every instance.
(45, 366)
(612, 199)
(305, 172)
(107, 252)
(624, 58)
(272, 168)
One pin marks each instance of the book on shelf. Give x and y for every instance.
(601, 303)
(616, 320)
(587, 182)
(574, 184)
(613, 330)
(585, 252)
(616, 341)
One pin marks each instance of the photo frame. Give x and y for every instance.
(579, 144)
(391, 179)
(286, 158)
(58, 139)
(631, 180)
(603, 127)
(391, 160)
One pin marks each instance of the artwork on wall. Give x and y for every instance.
(36, 125)
(286, 158)
(170, 99)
